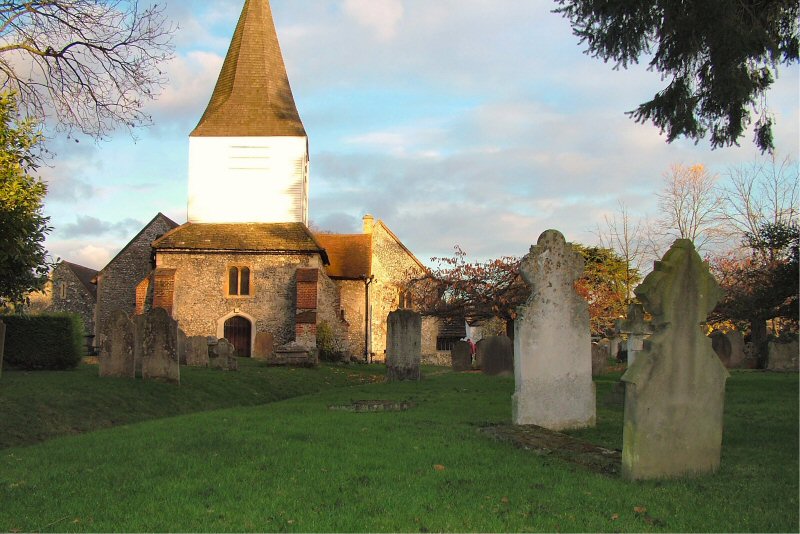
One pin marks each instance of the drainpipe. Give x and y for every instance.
(367, 316)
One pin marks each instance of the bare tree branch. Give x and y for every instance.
(89, 65)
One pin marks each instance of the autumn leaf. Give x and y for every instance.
(639, 509)
(439, 467)
(614, 517)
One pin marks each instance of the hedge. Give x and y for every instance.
(43, 342)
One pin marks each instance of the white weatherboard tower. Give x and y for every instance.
(248, 155)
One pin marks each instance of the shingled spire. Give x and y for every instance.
(252, 96)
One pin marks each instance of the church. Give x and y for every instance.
(245, 266)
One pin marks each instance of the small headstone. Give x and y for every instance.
(160, 347)
(403, 345)
(117, 352)
(461, 356)
(181, 347)
(552, 343)
(675, 390)
(496, 354)
(2, 344)
(614, 346)
(197, 351)
(782, 356)
(729, 346)
(599, 359)
(223, 356)
(138, 341)
(637, 328)
(264, 346)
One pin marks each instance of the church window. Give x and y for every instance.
(404, 300)
(62, 290)
(239, 281)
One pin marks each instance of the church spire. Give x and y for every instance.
(252, 96)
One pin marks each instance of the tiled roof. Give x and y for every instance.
(350, 255)
(252, 96)
(85, 275)
(241, 237)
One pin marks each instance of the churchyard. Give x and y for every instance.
(246, 463)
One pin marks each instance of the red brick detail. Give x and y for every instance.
(141, 295)
(308, 275)
(307, 289)
(306, 317)
(164, 289)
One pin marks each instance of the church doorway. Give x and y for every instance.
(237, 331)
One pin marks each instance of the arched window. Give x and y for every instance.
(233, 281)
(62, 290)
(239, 281)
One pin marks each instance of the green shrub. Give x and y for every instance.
(326, 343)
(43, 342)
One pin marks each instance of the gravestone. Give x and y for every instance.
(117, 354)
(197, 351)
(159, 339)
(675, 390)
(637, 328)
(138, 341)
(223, 356)
(552, 344)
(729, 346)
(403, 345)
(599, 359)
(2, 344)
(264, 346)
(181, 347)
(782, 356)
(496, 354)
(614, 345)
(461, 356)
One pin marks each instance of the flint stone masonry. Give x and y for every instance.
(2, 344)
(116, 283)
(729, 346)
(461, 356)
(159, 339)
(403, 349)
(675, 390)
(264, 346)
(552, 344)
(117, 354)
(496, 354)
(197, 351)
(782, 356)
(223, 356)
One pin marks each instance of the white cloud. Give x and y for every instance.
(382, 17)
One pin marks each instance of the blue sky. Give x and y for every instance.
(477, 123)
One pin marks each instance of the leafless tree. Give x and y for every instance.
(626, 237)
(690, 205)
(89, 65)
(764, 192)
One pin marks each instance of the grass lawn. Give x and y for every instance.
(295, 465)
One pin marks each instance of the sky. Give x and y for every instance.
(477, 123)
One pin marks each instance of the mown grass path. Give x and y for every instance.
(295, 465)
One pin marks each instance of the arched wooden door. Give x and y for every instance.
(237, 331)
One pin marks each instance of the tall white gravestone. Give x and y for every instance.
(552, 343)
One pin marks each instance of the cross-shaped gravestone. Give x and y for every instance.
(675, 390)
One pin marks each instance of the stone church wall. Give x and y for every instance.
(201, 301)
(116, 287)
(74, 298)
(392, 265)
